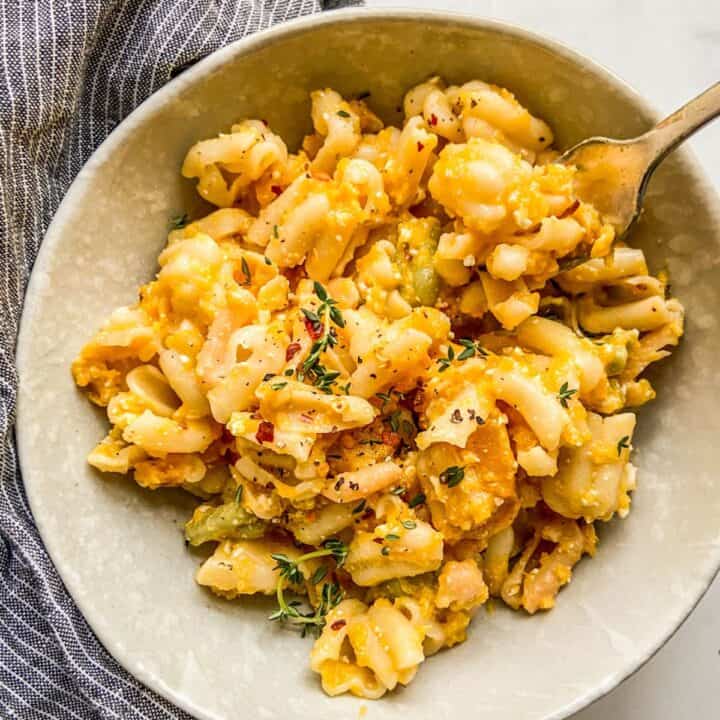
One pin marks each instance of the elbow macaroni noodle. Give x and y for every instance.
(371, 368)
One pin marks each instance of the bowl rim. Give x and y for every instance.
(171, 91)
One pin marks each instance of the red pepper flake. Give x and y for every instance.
(292, 350)
(276, 189)
(314, 329)
(390, 438)
(379, 541)
(266, 432)
(433, 119)
(338, 624)
(420, 146)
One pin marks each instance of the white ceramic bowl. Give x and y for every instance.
(119, 549)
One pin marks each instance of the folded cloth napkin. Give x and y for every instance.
(70, 70)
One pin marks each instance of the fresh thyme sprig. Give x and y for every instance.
(290, 573)
(312, 621)
(470, 349)
(319, 574)
(565, 394)
(322, 378)
(319, 322)
(445, 362)
(328, 305)
(290, 569)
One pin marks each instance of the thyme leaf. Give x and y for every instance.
(419, 499)
(452, 476)
(565, 394)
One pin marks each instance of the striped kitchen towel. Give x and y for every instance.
(70, 71)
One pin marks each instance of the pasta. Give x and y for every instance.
(374, 371)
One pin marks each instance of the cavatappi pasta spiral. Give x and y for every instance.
(372, 369)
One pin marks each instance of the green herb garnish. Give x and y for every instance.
(246, 271)
(320, 320)
(323, 378)
(452, 476)
(471, 349)
(445, 362)
(291, 573)
(385, 397)
(328, 304)
(395, 421)
(419, 499)
(313, 622)
(565, 394)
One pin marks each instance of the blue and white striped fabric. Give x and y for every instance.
(70, 71)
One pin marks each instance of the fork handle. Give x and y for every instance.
(675, 128)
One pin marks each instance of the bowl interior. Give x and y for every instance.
(120, 550)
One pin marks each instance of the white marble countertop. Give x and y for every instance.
(668, 51)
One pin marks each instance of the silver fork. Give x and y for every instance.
(613, 175)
